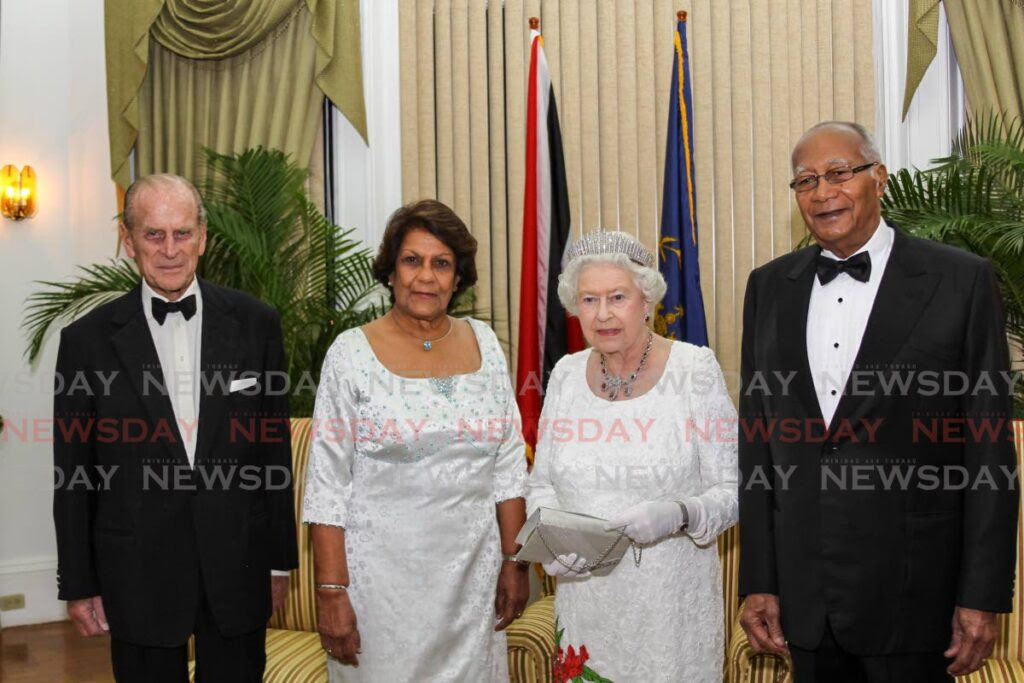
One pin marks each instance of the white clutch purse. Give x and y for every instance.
(549, 533)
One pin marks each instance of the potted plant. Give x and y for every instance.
(974, 199)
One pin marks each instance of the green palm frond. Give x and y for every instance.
(974, 199)
(66, 300)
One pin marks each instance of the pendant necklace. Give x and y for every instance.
(428, 344)
(613, 383)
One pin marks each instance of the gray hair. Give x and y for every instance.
(160, 181)
(648, 280)
(868, 149)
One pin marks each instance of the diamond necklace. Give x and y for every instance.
(612, 383)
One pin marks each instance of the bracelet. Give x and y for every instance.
(505, 557)
(333, 586)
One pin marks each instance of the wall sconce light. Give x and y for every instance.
(17, 192)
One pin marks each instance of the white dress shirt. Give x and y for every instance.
(178, 346)
(836, 317)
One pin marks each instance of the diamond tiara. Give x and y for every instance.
(610, 242)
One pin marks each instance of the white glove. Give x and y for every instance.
(649, 521)
(566, 565)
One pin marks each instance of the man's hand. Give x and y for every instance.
(278, 591)
(336, 622)
(760, 619)
(88, 616)
(512, 593)
(974, 637)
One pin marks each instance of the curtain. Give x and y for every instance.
(988, 36)
(922, 44)
(193, 39)
(762, 73)
(263, 96)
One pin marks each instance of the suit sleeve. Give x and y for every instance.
(281, 500)
(990, 516)
(757, 533)
(74, 414)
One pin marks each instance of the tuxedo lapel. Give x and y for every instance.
(793, 299)
(136, 351)
(904, 292)
(219, 363)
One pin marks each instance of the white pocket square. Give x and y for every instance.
(240, 384)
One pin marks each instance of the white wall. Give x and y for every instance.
(52, 117)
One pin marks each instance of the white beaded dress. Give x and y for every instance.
(412, 469)
(661, 621)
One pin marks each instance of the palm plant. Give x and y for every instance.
(974, 199)
(265, 237)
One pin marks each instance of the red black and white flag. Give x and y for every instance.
(546, 331)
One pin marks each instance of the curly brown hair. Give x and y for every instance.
(441, 222)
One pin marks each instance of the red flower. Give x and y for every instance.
(584, 655)
(558, 667)
(573, 664)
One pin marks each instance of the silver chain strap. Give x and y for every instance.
(600, 561)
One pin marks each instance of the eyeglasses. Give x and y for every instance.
(834, 176)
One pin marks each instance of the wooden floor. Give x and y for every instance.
(53, 653)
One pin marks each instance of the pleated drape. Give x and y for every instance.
(762, 73)
(988, 36)
(264, 96)
(227, 34)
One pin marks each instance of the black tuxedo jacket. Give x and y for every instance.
(135, 524)
(870, 523)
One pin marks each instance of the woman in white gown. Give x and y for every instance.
(417, 474)
(638, 430)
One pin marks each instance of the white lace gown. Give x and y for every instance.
(412, 469)
(661, 620)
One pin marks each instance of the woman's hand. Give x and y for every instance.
(649, 521)
(336, 623)
(512, 594)
(566, 565)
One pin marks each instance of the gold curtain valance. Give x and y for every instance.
(218, 29)
(205, 29)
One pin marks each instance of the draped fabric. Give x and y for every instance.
(988, 36)
(922, 44)
(204, 32)
(265, 96)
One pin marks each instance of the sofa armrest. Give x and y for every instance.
(531, 643)
(743, 665)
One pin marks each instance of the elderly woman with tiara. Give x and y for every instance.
(647, 457)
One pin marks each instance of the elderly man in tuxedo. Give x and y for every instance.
(173, 500)
(878, 526)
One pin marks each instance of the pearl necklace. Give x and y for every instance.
(612, 383)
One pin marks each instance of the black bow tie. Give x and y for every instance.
(857, 266)
(186, 306)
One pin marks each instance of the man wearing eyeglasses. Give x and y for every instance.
(878, 544)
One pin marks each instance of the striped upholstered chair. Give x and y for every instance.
(1006, 664)
(293, 646)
